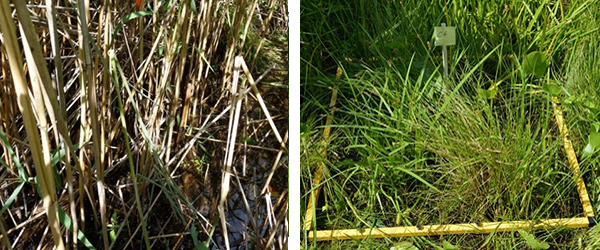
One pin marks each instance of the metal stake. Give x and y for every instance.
(445, 59)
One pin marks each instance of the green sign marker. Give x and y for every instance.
(445, 35)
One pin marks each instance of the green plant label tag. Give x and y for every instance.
(445, 35)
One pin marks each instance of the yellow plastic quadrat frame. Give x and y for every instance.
(466, 228)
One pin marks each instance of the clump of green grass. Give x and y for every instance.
(482, 146)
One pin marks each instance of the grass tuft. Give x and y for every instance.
(409, 148)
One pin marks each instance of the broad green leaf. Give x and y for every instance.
(378, 223)
(570, 99)
(57, 156)
(596, 126)
(113, 218)
(133, 15)
(551, 89)
(449, 246)
(194, 234)
(488, 93)
(594, 139)
(303, 128)
(340, 205)
(588, 104)
(532, 242)
(250, 141)
(535, 63)
(112, 234)
(193, 6)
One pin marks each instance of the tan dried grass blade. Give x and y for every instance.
(40, 157)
